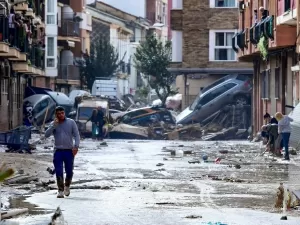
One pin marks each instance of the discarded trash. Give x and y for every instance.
(205, 157)
(223, 151)
(194, 161)
(283, 218)
(218, 160)
(179, 153)
(211, 223)
(279, 197)
(193, 217)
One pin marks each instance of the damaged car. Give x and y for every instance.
(147, 116)
(232, 89)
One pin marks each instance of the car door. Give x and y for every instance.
(202, 109)
(42, 108)
(209, 104)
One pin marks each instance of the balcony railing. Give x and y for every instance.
(68, 72)
(36, 57)
(69, 28)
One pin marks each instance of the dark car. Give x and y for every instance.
(146, 116)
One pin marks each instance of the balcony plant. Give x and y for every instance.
(263, 47)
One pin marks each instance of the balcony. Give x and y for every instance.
(287, 12)
(69, 30)
(68, 74)
(21, 5)
(4, 45)
(36, 59)
(246, 41)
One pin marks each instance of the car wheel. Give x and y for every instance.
(241, 100)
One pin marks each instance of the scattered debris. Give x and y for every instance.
(293, 152)
(283, 218)
(12, 213)
(193, 217)
(280, 196)
(160, 164)
(194, 161)
(165, 203)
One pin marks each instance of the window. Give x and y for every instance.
(220, 48)
(223, 3)
(50, 60)
(51, 12)
(277, 83)
(50, 48)
(265, 85)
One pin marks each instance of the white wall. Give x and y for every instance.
(176, 46)
(135, 7)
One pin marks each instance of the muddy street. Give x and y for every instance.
(159, 182)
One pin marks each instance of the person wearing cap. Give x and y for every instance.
(285, 129)
(64, 130)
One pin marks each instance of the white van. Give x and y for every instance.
(105, 87)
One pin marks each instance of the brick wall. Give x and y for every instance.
(197, 19)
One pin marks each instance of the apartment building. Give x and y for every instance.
(21, 56)
(68, 42)
(125, 32)
(157, 14)
(202, 33)
(267, 37)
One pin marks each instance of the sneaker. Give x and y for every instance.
(60, 194)
(67, 191)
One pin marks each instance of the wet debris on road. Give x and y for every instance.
(193, 217)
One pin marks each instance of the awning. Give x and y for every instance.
(180, 71)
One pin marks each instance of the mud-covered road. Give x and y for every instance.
(141, 183)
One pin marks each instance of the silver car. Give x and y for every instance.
(231, 89)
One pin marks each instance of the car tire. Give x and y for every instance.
(241, 100)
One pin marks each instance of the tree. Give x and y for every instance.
(101, 62)
(152, 58)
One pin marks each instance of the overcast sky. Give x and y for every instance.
(135, 7)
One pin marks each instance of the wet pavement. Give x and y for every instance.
(140, 183)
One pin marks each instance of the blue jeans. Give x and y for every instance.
(286, 140)
(63, 158)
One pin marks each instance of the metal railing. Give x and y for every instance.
(68, 72)
(68, 28)
(36, 57)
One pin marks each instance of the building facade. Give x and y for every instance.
(22, 56)
(267, 37)
(125, 32)
(74, 25)
(202, 32)
(157, 13)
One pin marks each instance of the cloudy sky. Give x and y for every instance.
(135, 7)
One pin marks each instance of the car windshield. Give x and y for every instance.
(195, 103)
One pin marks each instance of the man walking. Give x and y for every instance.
(100, 123)
(63, 129)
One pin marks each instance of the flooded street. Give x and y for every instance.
(141, 183)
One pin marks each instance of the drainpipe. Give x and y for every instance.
(185, 91)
